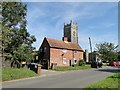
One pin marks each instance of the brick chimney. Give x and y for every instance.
(65, 39)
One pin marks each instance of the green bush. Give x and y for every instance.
(11, 74)
(81, 63)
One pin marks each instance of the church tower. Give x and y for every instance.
(71, 32)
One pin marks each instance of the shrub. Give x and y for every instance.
(81, 62)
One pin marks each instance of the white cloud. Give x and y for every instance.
(108, 25)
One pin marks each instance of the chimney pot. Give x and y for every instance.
(65, 39)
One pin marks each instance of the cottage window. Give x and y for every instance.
(64, 50)
(64, 61)
(75, 61)
(45, 49)
(36, 57)
(75, 51)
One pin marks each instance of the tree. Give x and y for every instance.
(16, 41)
(118, 55)
(107, 51)
(14, 25)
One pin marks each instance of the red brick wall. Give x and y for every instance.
(57, 56)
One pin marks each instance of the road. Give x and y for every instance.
(68, 79)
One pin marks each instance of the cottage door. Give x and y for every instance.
(70, 62)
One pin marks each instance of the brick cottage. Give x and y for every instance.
(64, 52)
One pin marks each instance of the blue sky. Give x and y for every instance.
(98, 20)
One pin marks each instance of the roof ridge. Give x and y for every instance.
(61, 40)
(61, 44)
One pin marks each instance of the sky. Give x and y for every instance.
(97, 20)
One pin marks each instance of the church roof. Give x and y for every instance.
(64, 45)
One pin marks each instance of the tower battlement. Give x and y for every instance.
(71, 23)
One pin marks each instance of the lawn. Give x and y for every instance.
(0, 75)
(11, 74)
(109, 83)
(67, 68)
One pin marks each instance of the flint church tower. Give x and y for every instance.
(71, 32)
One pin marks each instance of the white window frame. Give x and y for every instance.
(75, 62)
(65, 61)
(64, 50)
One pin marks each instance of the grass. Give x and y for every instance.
(67, 68)
(0, 75)
(11, 74)
(109, 83)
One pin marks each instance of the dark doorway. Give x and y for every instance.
(45, 64)
(70, 62)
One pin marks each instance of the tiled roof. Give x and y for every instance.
(64, 45)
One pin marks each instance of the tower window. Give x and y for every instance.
(73, 33)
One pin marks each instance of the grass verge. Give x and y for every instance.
(11, 74)
(0, 75)
(67, 68)
(110, 83)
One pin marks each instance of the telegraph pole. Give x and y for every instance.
(91, 49)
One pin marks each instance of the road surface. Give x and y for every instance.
(68, 79)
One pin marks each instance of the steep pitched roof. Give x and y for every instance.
(64, 45)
